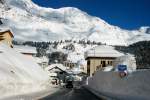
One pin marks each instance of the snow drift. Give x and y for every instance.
(19, 74)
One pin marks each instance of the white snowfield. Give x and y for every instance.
(19, 74)
(28, 22)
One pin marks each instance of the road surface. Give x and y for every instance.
(72, 94)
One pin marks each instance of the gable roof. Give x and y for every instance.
(59, 66)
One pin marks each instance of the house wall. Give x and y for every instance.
(7, 39)
(94, 64)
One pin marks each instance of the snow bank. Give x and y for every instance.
(134, 86)
(19, 74)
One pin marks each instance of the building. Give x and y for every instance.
(99, 57)
(26, 50)
(6, 36)
(69, 64)
(57, 71)
(31, 52)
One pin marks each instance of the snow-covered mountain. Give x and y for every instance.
(30, 22)
(145, 29)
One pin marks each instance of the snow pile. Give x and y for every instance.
(128, 60)
(71, 23)
(134, 86)
(19, 74)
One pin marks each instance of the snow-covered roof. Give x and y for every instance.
(25, 49)
(103, 51)
(5, 28)
(60, 66)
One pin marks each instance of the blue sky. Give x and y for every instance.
(127, 14)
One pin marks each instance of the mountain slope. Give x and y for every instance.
(30, 22)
